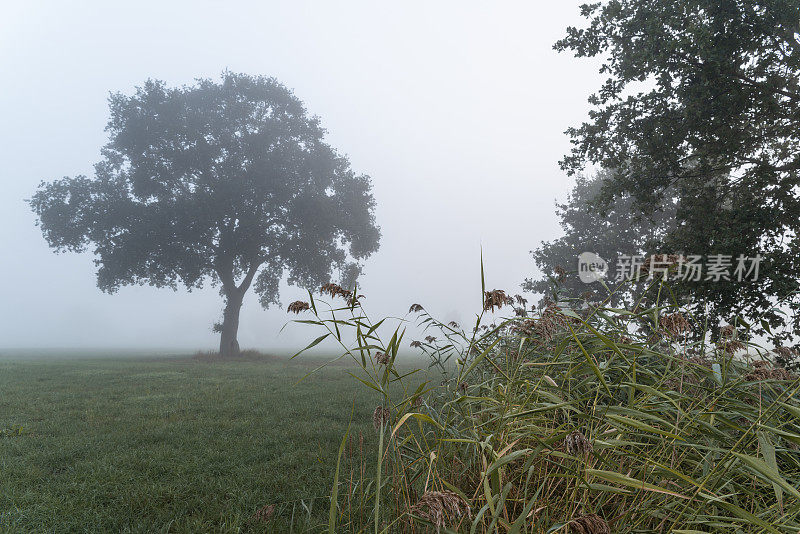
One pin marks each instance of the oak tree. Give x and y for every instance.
(225, 182)
(702, 101)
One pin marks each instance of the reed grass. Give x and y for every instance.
(573, 417)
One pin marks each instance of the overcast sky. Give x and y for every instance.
(455, 109)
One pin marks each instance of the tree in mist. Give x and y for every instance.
(691, 217)
(229, 183)
(702, 101)
(615, 231)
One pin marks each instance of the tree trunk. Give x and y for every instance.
(228, 343)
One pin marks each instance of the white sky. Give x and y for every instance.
(456, 110)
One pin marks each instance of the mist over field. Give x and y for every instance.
(455, 109)
(538, 265)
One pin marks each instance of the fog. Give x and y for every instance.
(455, 109)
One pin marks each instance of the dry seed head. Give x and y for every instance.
(521, 300)
(331, 289)
(727, 331)
(415, 308)
(453, 324)
(430, 339)
(561, 273)
(732, 345)
(546, 328)
(577, 444)
(380, 417)
(495, 298)
(524, 328)
(551, 321)
(441, 508)
(298, 306)
(416, 344)
(675, 324)
(382, 358)
(589, 524)
(335, 290)
(762, 370)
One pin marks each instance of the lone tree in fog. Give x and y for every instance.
(229, 183)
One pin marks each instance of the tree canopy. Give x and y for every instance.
(227, 182)
(702, 101)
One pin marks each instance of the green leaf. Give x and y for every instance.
(503, 460)
(312, 344)
(617, 478)
(477, 360)
(332, 512)
(768, 451)
(644, 427)
(761, 468)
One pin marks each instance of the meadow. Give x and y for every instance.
(173, 444)
(573, 419)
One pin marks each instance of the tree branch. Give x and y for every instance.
(248, 278)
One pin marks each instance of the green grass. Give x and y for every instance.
(171, 445)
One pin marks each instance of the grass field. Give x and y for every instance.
(171, 445)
